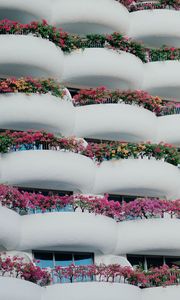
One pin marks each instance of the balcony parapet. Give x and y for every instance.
(100, 167)
(15, 289)
(90, 67)
(87, 232)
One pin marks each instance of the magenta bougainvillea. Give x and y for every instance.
(142, 208)
(18, 268)
(134, 5)
(70, 42)
(141, 98)
(162, 276)
(14, 141)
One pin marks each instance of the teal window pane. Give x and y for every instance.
(45, 259)
(63, 259)
(83, 259)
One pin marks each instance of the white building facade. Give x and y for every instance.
(65, 237)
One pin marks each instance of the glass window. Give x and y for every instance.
(121, 198)
(83, 259)
(52, 259)
(63, 259)
(172, 261)
(136, 260)
(45, 259)
(154, 261)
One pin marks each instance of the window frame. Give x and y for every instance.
(62, 252)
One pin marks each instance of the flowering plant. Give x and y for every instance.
(102, 95)
(12, 141)
(29, 85)
(142, 208)
(162, 276)
(69, 42)
(124, 150)
(37, 140)
(134, 5)
(18, 268)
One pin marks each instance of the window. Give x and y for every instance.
(121, 198)
(73, 91)
(51, 259)
(45, 192)
(148, 261)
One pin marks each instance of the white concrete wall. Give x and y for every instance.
(69, 171)
(83, 16)
(151, 26)
(116, 122)
(138, 177)
(113, 16)
(91, 67)
(105, 121)
(88, 232)
(148, 235)
(97, 66)
(22, 112)
(27, 57)
(16, 289)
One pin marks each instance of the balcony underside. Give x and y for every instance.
(31, 56)
(80, 16)
(87, 232)
(39, 112)
(67, 171)
(89, 67)
(151, 27)
(16, 289)
(102, 121)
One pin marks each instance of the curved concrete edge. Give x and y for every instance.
(152, 26)
(46, 112)
(16, 289)
(37, 111)
(151, 234)
(138, 177)
(87, 232)
(27, 57)
(71, 171)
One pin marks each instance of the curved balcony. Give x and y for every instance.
(163, 79)
(58, 115)
(93, 290)
(48, 169)
(10, 223)
(111, 121)
(138, 177)
(167, 129)
(24, 11)
(94, 121)
(31, 56)
(87, 232)
(148, 235)
(69, 171)
(171, 292)
(21, 112)
(96, 67)
(152, 27)
(81, 232)
(85, 17)
(17, 289)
